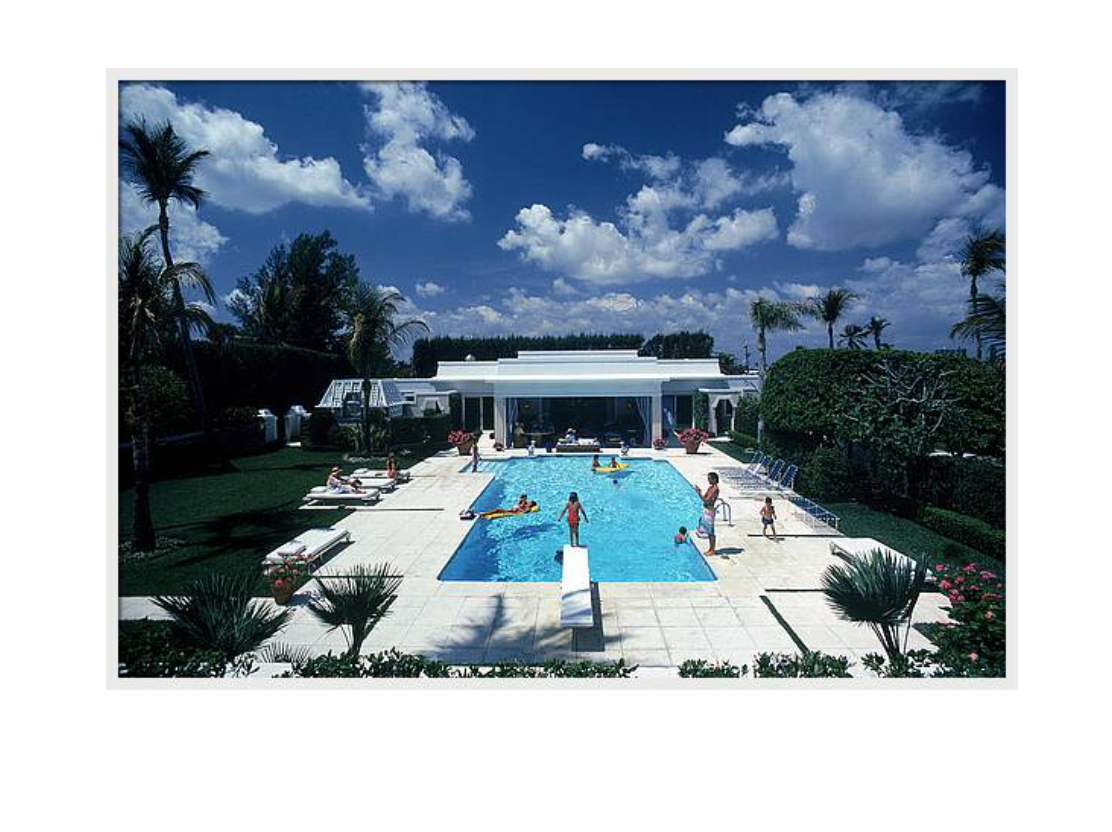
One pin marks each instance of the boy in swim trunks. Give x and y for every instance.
(768, 518)
(706, 519)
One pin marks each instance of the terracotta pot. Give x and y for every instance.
(282, 595)
(464, 448)
(692, 447)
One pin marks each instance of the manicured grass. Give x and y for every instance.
(905, 536)
(228, 518)
(733, 449)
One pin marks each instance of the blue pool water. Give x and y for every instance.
(629, 535)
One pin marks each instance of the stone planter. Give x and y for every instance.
(283, 594)
(464, 448)
(692, 447)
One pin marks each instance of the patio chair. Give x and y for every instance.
(321, 496)
(377, 475)
(310, 545)
(787, 478)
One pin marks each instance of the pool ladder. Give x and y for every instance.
(723, 508)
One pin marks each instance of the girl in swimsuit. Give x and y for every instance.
(573, 509)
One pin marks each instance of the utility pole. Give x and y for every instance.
(745, 347)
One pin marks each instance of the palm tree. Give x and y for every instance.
(987, 322)
(879, 589)
(875, 327)
(830, 306)
(220, 613)
(982, 253)
(771, 316)
(358, 601)
(374, 330)
(146, 308)
(853, 336)
(163, 166)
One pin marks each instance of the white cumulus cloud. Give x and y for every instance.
(404, 118)
(191, 238)
(429, 289)
(244, 170)
(863, 179)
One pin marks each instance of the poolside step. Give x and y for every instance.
(575, 592)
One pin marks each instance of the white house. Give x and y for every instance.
(599, 392)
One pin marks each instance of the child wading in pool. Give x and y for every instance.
(573, 509)
(768, 518)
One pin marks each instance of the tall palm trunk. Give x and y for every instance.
(764, 372)
(973, 309)
(196, 393)
(830, 333)
(876, 338)
(143, 538)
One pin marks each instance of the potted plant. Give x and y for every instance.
(659, 443)
(462, 440)
(284, 577)
(692, 438)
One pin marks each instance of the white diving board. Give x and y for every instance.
(576, 609)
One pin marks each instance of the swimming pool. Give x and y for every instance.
(629, 536)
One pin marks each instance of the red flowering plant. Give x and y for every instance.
(659, 443)
(462, 440)
(285, 576)
(692, 438)
(973, 643)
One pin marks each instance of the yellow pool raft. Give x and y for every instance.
(499, 513)
(611, 469)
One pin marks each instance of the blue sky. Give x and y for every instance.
(554, 207)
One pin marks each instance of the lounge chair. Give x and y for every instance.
(377, 474)
(787, 478)
(310, 545)
(322, 496)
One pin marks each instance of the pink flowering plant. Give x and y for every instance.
(659, 443)
(693, 437)
(973, 643)
(286, 575)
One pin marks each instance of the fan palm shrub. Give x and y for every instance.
(986, 322)
(374, 329)
(875, 327)
(880, 590)
(853, 336)
(163, 166)
(146, 307)
(221, 613)
(830, 306)
(357, 601)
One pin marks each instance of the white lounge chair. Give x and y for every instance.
(378, 476)
(322, 496)
(576, 609)
(310, 545)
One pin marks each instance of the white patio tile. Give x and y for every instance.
(729, 639)
(770, 639)
(637, 617)
(716, 617)
(642, 638)
(678, 617)
(685, 638)
(647, 658)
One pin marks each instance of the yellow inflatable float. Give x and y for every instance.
(499, 513)
(611, 469)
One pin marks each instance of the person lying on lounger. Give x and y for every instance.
(338, 485)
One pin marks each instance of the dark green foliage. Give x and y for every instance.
(147, 649)
(974, 533)
(826, 475)
(321, 426)
(746, 415)
(822, 393)
(700, 411)
(702, 669)
(169, 410)
(976, 487)
(394, 664)
(427, 352)
(679, 345)
(239, 373)
(220, 613)
(357, 601)
(455, 410)
(743, 440)
(417, 430)
(295, 298)
(810, 665)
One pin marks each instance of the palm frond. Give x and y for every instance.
(192, 276)
(357, 601)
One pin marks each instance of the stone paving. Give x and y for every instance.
(416, 529)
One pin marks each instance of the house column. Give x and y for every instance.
(658, 416)
(500, 430)
(712, 415)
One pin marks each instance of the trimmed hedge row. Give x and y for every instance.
(976, 487)
(964, 529)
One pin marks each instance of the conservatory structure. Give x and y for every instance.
(610, 394)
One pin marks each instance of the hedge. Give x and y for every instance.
(826, 475)
(964, 529)
(819, 393)
(976, 487)
(745, 415)
(744, 440)
(700, 411)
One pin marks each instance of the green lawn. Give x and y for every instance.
(905, 536)
(227, 519)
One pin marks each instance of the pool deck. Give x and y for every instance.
(766, 597)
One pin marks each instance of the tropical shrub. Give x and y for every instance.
(702, 669)
(744, 440)
(219, 613)
(974, 533)
(974, 643)
(357, 601)
(169, 410)
(746, 415)
(977, 487)
(235, 418)
(455, 410)
(810, 665)
(417, 430)
(826, 475)
(428, 352)
(321, 423)
(700, 411)
(394, 664)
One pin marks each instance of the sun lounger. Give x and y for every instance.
(852, 547)
(322, 496)
(787, 478)
(378, 475)
(576, 609)
(310, 545)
